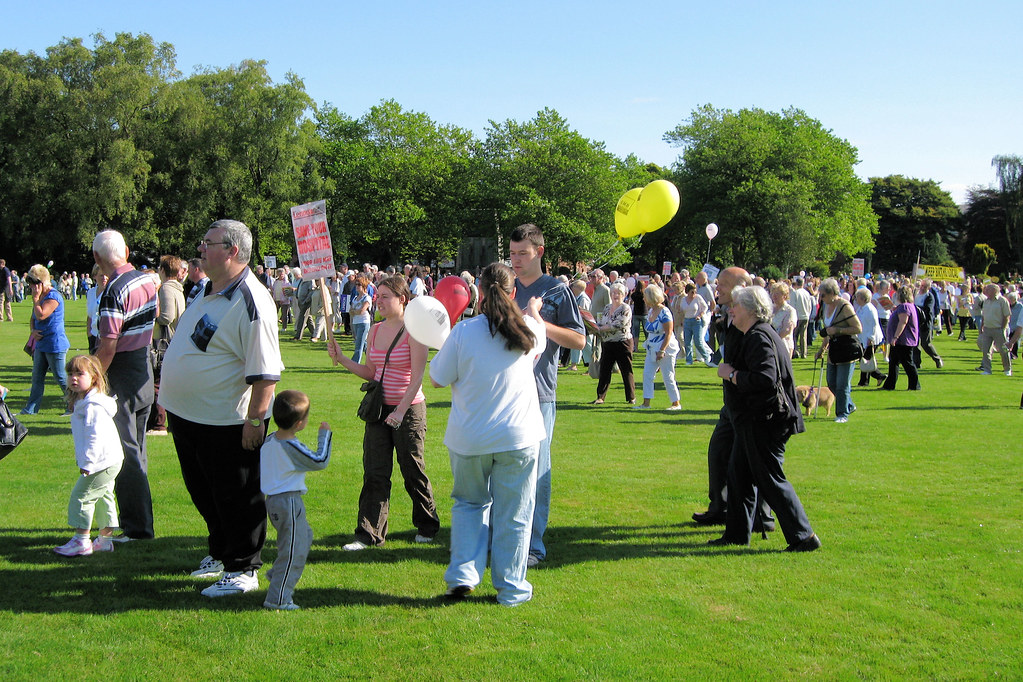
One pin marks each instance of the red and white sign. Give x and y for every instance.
(857, 267)
(315, 253)
(666, 268)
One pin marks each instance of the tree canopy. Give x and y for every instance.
(915, 217)
(779, 185)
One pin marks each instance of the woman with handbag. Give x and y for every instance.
(493, 437)
(615, 329)
(48, 341)
(760, 397)
(841, 327)
(869, 337)
(398, 363)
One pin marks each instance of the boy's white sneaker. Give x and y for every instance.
(76, 546)
(208, 568)
(233, 583)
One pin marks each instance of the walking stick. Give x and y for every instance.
(820, 381)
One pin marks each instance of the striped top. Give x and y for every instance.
(399, 368)
(127, 309)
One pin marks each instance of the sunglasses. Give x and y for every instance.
(32, 280)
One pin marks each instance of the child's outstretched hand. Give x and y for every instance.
(324, 426)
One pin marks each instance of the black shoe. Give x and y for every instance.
(458, 592)
(939, 362)
(808, 545)
(881, 379)
(761, 526)
(709, 518)
(724, 541)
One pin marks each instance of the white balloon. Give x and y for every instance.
(50, 264)
(427, 321)
(712, 230)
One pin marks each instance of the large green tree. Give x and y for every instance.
(73, 157)
(543, 172)
(780, 186)
(984, 222)
(400, 180)
(915, 218)
(1009, 169)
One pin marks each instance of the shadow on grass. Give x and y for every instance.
(151, 575)
(154, 574)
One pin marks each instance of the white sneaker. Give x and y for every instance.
(103, 543)
(842, 420)
(355, 546)
(673, 408)
(1008, 372)
(233, 583)
(423, 540)
(208, 568)
(76, 546)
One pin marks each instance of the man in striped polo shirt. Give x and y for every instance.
(127, 311)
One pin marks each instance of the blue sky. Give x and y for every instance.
(929, 90)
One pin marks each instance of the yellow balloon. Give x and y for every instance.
(626, 224)
(657, 204)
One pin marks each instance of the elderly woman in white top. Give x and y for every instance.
(661, 349)
(871, 336)
(784, 318)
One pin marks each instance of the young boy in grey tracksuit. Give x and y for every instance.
(283, 461)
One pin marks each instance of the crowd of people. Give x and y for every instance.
(151, 331)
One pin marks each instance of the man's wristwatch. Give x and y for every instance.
(255, 421)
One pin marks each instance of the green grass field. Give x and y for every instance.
(917, 500)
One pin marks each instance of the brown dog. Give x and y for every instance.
(808, 398)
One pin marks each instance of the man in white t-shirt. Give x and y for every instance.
(219, 374)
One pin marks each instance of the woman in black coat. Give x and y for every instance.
(761, 397)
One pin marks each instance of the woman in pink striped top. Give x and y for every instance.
(403, 430)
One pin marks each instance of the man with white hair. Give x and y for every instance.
(127, 312)
(219, 375)
(995, 312)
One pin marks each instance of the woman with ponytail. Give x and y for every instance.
(493, 436)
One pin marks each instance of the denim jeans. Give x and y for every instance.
(40, 363)
(360, 330)
(542, 510)
(493, 492)
(667, 367)
(840, 382)
(692, 334)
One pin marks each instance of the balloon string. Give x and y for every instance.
(577, 273)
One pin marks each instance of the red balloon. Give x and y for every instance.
(454, 294)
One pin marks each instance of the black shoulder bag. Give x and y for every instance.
(371, 409)
(12, 431)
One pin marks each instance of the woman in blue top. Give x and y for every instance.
(661, 349)
(51, 342)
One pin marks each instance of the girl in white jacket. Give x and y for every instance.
(98, 453)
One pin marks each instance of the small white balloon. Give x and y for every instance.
(427, 321)
(50, 264)
(712, 230)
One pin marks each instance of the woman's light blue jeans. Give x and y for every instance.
(840, 382)
(41, 361)
(360, 331)
(493, 492)
(692, 334)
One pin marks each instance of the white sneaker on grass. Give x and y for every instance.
(355, 546)
(103, 543)
(233, 583)
(208, 568)
(423, 540)
(78, 545)
(290, 606)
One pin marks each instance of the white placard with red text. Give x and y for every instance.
(315, 253)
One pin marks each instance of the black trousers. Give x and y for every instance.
(720, 451)
(222, 479)
(620, 353)
(901, 356)
(756, 469)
